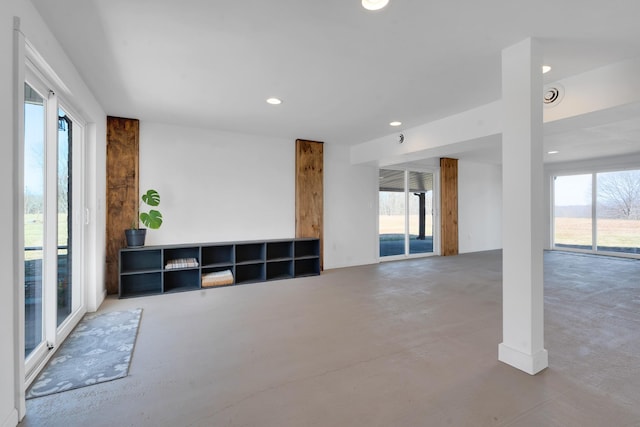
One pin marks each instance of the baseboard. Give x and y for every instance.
(11, 420)
(529, 363)
(104, 296)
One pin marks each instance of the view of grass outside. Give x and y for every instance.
(394, 224)
(391, 228)
(33, 235)
(392, 213)
(611, 232)
(572, 210)
(618, 211)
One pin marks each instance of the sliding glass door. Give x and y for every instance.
(64, 206)
(573, 208)
(420, 212)
(34, 216)
(52, 225)
(392, 217)
(405, 213)
(598, 212)
(618, 211)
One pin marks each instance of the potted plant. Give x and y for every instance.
(153, 219)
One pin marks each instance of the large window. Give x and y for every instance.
(405, 212)
(598, 212)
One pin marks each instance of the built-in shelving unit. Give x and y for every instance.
(147, 270)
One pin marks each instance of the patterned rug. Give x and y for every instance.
(98, 350)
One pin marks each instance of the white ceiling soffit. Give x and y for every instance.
(342, 72)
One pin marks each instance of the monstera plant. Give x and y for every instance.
(152, 219)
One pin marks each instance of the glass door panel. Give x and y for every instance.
(34, 214)
(420, 212)
(573, 212)
(618, 211)
(64, 208)
(392, 208)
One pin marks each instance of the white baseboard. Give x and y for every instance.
(11, 420)
(529, 363)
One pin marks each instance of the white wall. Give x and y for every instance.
(218, 186)
(350, 214)
(8, 321)
(479, 206)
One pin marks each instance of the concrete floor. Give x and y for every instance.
(407, 343)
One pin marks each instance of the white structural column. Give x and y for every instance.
(522, 212)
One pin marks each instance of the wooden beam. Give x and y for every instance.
(449, 206)
(123, 141)
(309, 191)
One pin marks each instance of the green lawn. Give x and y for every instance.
(611, 232)
(34, 232)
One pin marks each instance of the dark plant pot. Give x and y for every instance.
(135, 238)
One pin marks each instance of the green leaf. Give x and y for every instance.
(153, 219)
(151, 197)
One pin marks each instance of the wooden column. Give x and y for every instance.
(123, 141)
(449, 206)
(309, 191)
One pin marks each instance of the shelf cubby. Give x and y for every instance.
(279, 250)
(249, 273)
(221, 282)
(250, 252)
(307, 248)
(137, 261)
(217, 255)
(181, 252)
(277, 270)
(137, 285)
(181, 280)
(307, 267)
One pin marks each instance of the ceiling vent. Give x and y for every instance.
(553, 95)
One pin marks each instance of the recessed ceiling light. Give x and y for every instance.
(546, 69)
(553, 152)
(374, 4)
(395, 123)
(274, 101)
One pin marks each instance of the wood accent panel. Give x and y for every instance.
(449, 206)
(310, 191)
(123, 141)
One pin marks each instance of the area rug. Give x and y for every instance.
(98, 350)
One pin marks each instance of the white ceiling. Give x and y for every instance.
(343, 72)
